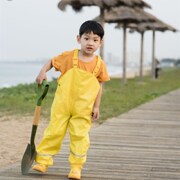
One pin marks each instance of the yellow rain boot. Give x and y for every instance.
(75, 172)
(40, 168)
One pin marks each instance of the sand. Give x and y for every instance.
(15, 135)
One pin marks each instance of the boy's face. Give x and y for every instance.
(89, 42)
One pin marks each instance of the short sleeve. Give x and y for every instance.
(103, 73)
(57, 62)
(63, 61)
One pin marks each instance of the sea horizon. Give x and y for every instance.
(13, 73)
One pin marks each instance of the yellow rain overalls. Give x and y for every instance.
(71, 109)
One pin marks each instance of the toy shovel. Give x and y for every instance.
(30, 152)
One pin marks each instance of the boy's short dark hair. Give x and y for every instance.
(91, 26)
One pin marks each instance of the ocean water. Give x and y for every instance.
(14, 73)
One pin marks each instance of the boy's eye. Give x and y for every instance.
(86, 38)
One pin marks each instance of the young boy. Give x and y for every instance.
(77, 99)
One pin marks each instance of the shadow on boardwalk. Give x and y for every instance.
(143, 144)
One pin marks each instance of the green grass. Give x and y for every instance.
(117, 98)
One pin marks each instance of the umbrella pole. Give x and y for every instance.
(153, 56)
(102, 24)
(141, 56)
(124, 55)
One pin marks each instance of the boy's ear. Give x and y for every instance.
(101, 42)
(78, 39)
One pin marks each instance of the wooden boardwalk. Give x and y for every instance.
(143, 144)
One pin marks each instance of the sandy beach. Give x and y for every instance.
(14, 137)
(132, 73)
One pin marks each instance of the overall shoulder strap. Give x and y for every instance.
(98, 65)
(75, 58)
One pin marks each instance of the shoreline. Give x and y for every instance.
(131, 73)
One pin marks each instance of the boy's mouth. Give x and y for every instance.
(89, 48)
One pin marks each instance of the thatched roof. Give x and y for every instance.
(125, 15)
(77, 5)
(156, 25)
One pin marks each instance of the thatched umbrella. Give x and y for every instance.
(124, 16)
(157, 25)
(77, 5)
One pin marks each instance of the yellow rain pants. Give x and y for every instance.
(72, 110)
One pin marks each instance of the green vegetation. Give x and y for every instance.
(117, 98)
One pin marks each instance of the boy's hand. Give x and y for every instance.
(41, 77)
(42, 74)
(95, 113)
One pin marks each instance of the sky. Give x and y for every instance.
(32, 30)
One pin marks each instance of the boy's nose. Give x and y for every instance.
(90, 42)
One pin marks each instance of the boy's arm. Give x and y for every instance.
(42, 74)
(97, 102)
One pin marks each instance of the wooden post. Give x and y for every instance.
(101, 50)
(141, 56)
(153, 56)
(124, 55)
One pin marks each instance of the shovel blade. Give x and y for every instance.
(28, 159)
